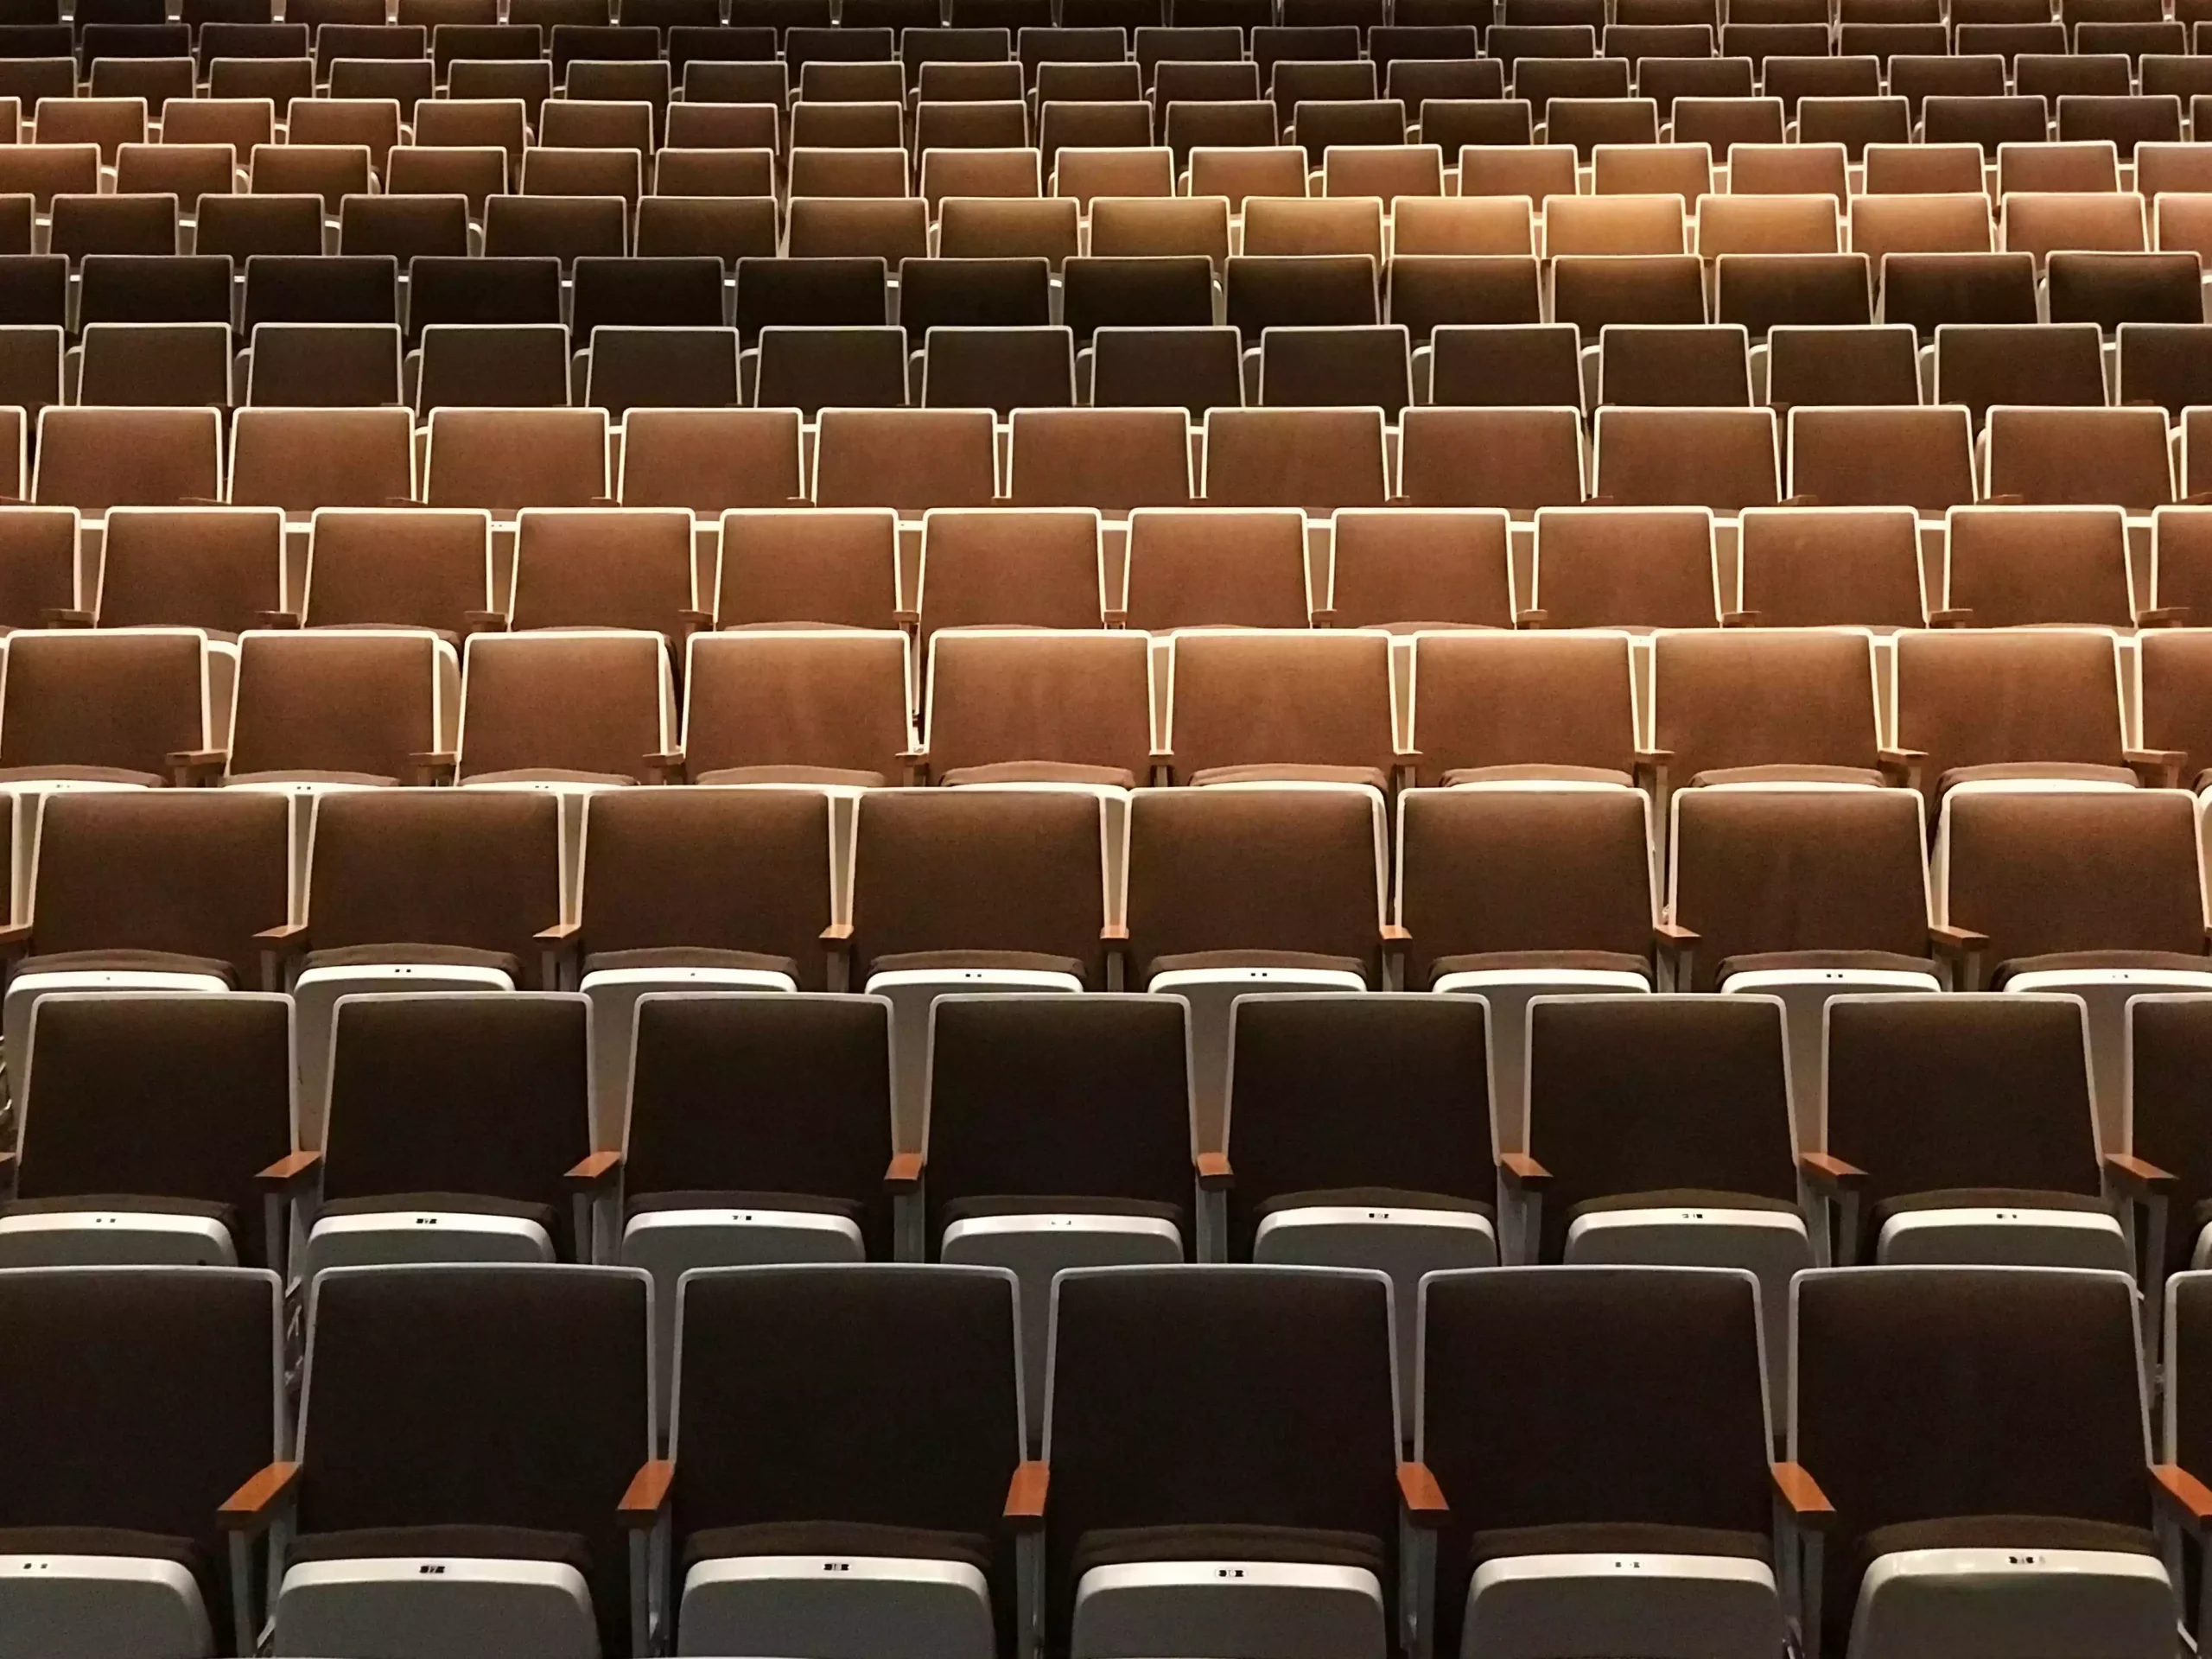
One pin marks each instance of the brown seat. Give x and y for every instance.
(797, 706)
(1771, 705)
(1208, 568)
(1723, 459)
(1864, 365)
(508, 459)
(220, 568)
(1823, 567)
(1508, 704)
(1978, 364)
(1110, 459)
(2060, 456)
(1625, 567)
(577, 706)
(393, 566)
(1674, 365)
(1252, 704)
(1518, 459)
(1317, 459)
(710, 460)
(110, 706)
(2007, 567)
(1009, 567)
(911, 458)
(1918, 457)
(303, 459)
(1401, 569)
(92, 459)
(1992, 702)
(833, 567)
(627, 568)
(338, 705)
(1010, 705)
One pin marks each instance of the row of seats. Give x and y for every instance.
(433, 1484)
(1519, 460)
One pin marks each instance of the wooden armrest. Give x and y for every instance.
(559, 933)
(1808, 1505)
(903, 1173)
(596, 1174)
(1741, 618)
(15, 936)
(667, 766)
(691, 622)
(255, 1505)
(1321, 616)
(837, 933)
(483, 622)
(1522, 1172)
(292, 936)
(2175, 1490)
(188, 768)
(1394, 933)
(1114, 933)
(2163, 616)
(1111, 616)
(64, 616)
(1214, 1172)
(1673, 934)
(1831, 1173)
(289, 1173)
(432, 765)
(2156, 768)
(1531, 619)
(1422, 1497)
(1957, 617)
(646, 1500)
(1025, 1494)
(2137, 1176)
(1950, 941)
(1901, 767)
(1651, 767)
(276, 619)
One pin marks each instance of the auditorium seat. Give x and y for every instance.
(2047, 457)
(450, 1121)
(218, 569)
(1920, 457)
(1201, 567)
(1281, 704)
(418, 1448)
(710, 460)
(748, 1511)
(2040, 1368)
(118, 1472)
(371, 566)
(1217, 1500)
(1400, 569)
(826, 706)
(1824, 567)
(1674, 1546)
(2008, 567)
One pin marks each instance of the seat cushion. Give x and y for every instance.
(2089, 962)
(463, 1542)
(836, 1538)
(1522, 774)
(462, 1204)
(1986, 1198)
(82, 775)
(422, 955)
(1682, 1198)
(1126, 1546)
(1372, 1198)
(1299, 961)
(1614, 1538)
(127, 961)
(1040, 772)
(354, 779)
(1865, 775)
(1523, 962)
(1865, 962)
(550, 775)
(814, 777)
(690, 956)
(2006, 1532)
(1266, 773)
(931, 962)
(2034, 771)
(975, 1209)
(804, 1203)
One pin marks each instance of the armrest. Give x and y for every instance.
(257, 1504)
(1807, 1504)
(1829, 1173)
(190, 768)
(483, 622)
(915, 765)
(689, 622)
(1111, 616)
(2163, 616)
(279, 946)
(906, 618)
(2136, 1177)
(433, 766)
(667, 766)
(2182, 1495)
(1422, 1497)
(837, 947)
(14, 937)
(1651, 767)
(1901, 767)
(1114, 933)
(2156, 768)
(63, 616)
(1961, 947)
(559, 933)
(289, 1173)
(276, 619)
(1214, 1172)
(1957, 617)
(1521, 1172)
(1321, 616)
(600, 1173)
(1534, 618)
(1025, 1495)
(1163, 766)
(903, 1174)
(1741, 618)
(646, 1500)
